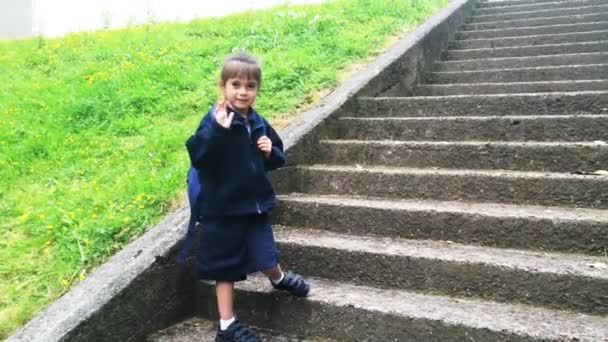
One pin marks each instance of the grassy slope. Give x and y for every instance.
(92, 125)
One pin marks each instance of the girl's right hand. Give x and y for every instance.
(221, 114)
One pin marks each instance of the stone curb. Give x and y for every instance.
(90, 311)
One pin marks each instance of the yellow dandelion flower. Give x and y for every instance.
(46, 251)
(126, 219)
(50, 227)
(85, 241)
(81, 276)
(24, 217)
(42, 216)
(94, 216)
(64, 282)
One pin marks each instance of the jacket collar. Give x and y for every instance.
(253, 118)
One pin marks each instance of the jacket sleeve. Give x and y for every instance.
(277, 157)
(204, 146)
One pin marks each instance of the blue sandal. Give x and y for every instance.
(236, 332)
(294, 284)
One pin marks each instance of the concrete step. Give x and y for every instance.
(526, 40)
(565, 128)
(545, 13)
(555, 4)
(352, 313)
(204, 330)
(585, 102)
(532, 31)
(513, 87)
(532, 22)
(485, 155)
(527, 51)
(557, 281)
(498, 186)
(583, 231)
(549, 73)
(522, 62)
(489, 4)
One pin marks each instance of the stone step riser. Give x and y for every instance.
(585, 192)
(532, 233)
(539, 14)
(533, 22)
(523, 62)
(530, 40)
(490, 4)
(433, 275)
(538, 7)
(204, 330)
(531, 31)
(567, 128)
(528, 51)
(457, 156)
(306, 317)
(505, 88)
(557, 73)
(485, 105)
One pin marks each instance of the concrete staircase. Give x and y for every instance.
(469, 212)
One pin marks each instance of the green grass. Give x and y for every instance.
(92, 125)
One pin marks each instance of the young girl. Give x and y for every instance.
(232, 150)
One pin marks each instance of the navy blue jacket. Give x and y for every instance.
(232, 170)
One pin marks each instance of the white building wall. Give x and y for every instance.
(16, 18)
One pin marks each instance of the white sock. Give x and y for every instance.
(277, 281)
(225, 323)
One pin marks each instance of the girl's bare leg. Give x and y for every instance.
(224, 291)
(274, 273)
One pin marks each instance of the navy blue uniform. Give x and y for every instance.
(236, 196)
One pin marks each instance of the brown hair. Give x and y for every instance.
(241, 64)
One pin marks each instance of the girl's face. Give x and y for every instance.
(240, 92)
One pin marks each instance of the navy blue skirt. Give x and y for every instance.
(233, 246)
